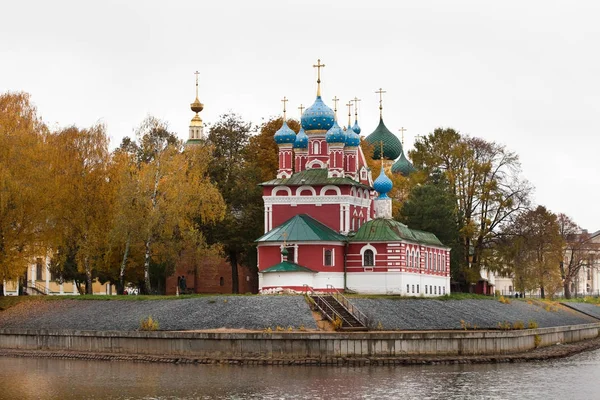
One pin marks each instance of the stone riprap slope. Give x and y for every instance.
(416, 314)
(589, 309)
(260, 312)
(210, 312)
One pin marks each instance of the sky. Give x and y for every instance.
(525, 74)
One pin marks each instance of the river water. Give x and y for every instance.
(576, 377)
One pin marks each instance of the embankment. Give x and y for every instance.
(328, 348)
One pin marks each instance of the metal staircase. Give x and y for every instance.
(337, 309)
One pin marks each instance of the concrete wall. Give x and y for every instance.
(294, 345)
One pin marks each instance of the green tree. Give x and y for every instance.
(431, 207)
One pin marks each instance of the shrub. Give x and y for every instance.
(537, 340)
(279, 329)
(504, 300)
(504, 325)
(518, 325)
(379, 326)
(302, 327)
(532, 324)
(148, 324)
(337, 323)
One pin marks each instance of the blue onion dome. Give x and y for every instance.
(318, 116)
(335, 134)
(285, 134)
(383, 185)
(391, 144)
(356, 128)
(301, 140)
(352, 138)
(403, 166)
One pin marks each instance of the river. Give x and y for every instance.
(575, 377)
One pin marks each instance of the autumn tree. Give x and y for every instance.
(578, 252)
(23, 184)
(532, 247)
(485, 178)
(81, 196)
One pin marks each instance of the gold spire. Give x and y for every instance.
(301, 108)
(318, 66)
(285, 100)
(335, 101)
(381, 153)
(196, 106)
(349, 105)
(355, 100)
(381, 92)
(402, 130)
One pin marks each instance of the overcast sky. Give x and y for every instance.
(522, 73)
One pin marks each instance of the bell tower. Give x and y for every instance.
(196, 125)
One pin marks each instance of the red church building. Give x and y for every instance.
(329, 225)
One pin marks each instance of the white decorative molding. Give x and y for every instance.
(301, 189)
(316, 164)
(329, 199)
(286, 189)
(324, 190)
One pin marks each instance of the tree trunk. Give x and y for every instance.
(147, 286)
(567, 289)
(235, 285)
(542, 293)
(88, 278)
(121, 284)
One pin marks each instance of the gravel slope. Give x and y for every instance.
(413, 314)
(260, 312)
(211, 312)
(590, 309)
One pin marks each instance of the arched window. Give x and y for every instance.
(328, 259)
(418, 260)
(408, 260)
(368, 258)
(426, 263)
(222, 281)
(439, 262)
(430, 263)
(316, 148)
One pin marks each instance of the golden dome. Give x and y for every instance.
(196, 106)
(196, 121)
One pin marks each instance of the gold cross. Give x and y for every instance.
(402, 130)
(285, 100)
(349, 113)
(318, 66)
(356, 100)
(381, 92)
(301, 108)
(335, 101)
(196, 73)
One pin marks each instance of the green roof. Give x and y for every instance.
(301, 228)
(403, 166)
(391, 144)
(315, 176)
(389, 230)
(286, 266)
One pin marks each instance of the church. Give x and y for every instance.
(328, 226)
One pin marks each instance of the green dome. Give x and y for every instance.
(403, 166)
(392, 147)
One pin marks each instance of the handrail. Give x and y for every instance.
(341, 317)
(343, 300)
(40, 288)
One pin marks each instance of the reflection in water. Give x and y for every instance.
(30, 378)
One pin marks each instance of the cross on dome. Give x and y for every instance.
(318, 66)
(380, 92)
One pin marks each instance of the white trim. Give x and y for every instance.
(300, 189)
(316, 164)
(284, 188)
(329, 199)
(325, 188)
